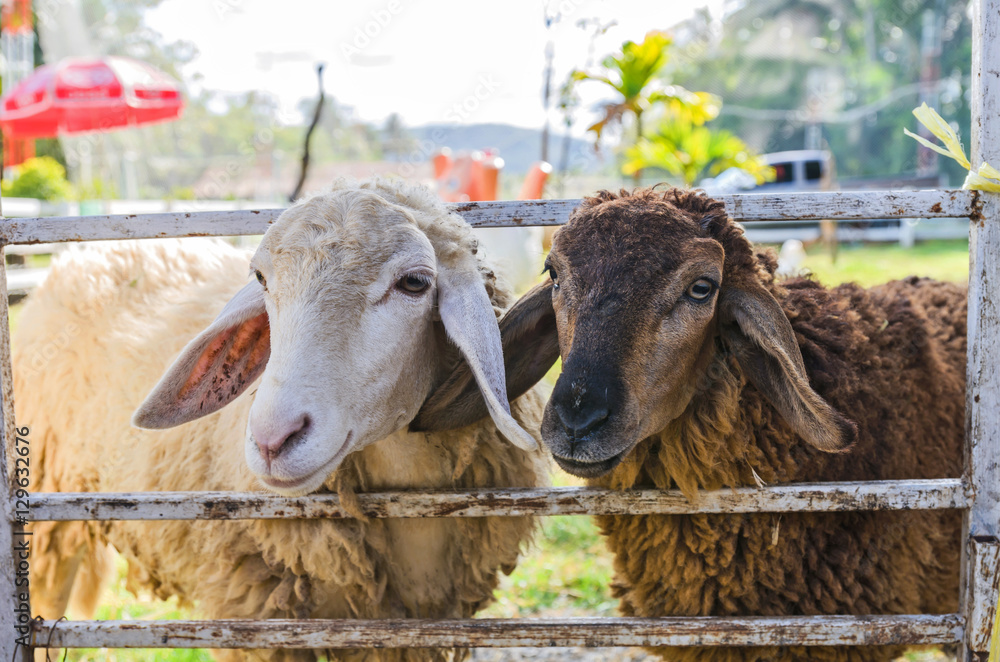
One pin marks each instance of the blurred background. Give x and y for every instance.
(144, 106)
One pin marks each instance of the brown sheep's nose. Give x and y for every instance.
(579, 422)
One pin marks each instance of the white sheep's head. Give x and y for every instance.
(342, 321)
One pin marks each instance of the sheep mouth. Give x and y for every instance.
(278, 484)
(589, 469)
(304, 485)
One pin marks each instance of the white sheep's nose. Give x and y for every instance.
(276, 434)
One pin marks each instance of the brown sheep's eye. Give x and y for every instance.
(700, 290)
(554, 276)
(260, 278)
(413, 283)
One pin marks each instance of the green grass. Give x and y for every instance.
(119, 604)
(568, 570)
(873, 264)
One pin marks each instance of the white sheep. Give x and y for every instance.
(306, 381)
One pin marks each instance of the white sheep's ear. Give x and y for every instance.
(468, 318)
(530, 347)
(215, 367)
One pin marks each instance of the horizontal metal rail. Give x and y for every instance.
(503, 633)
(807, 497)
(834, 205)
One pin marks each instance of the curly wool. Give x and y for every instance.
(892, 359)
(104, 327)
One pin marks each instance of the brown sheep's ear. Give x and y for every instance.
(758, 333)
(530, 347)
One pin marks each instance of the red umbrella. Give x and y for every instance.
(78, 95)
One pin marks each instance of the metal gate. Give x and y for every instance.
(977, 492)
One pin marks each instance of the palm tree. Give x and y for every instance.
(689, 151)
(632, 75)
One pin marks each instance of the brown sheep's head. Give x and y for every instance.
(645, 289)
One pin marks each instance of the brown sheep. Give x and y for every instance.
(687, 365)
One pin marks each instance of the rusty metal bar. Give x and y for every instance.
(503, 633)
(812, 497)
(835, 205)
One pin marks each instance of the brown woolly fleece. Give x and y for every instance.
(890, 358)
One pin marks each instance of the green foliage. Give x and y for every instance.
(632, 75)
(691, 152)
(41, 177)
(98, 189)
(181, 193)
(50, 147)
(120, 604)
(825, 61)
(681, 145)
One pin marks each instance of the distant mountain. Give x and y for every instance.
(520, 148)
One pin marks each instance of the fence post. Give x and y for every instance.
(16, 612)
(981, 535)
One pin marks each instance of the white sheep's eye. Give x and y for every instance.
(260, 278)
(701, 289)
(413, 283)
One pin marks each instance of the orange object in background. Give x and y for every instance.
(485, 175)
(534, 183)
(17, 150)
(476, 177)
(441, 161)
(466, 177)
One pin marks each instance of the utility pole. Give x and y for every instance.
(930, 57)
(550, 19)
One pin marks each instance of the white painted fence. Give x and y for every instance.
(977, 492)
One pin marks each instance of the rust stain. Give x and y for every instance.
(976, 214)
(120, 503)
(936, 208)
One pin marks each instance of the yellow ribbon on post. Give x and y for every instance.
(987, 178)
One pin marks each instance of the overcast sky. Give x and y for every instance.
(466, 61)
